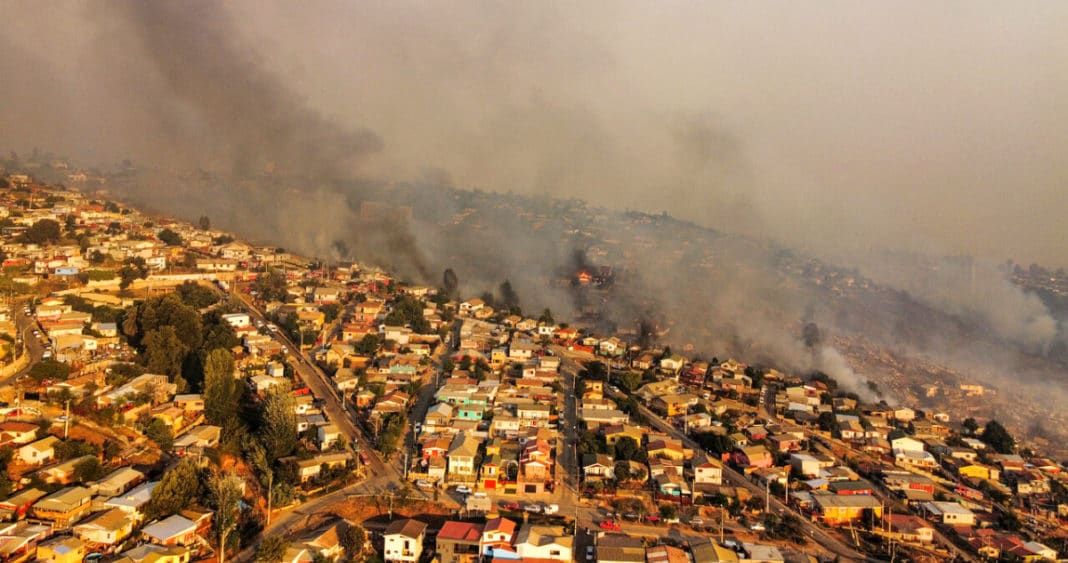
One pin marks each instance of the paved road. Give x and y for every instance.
(813, 531)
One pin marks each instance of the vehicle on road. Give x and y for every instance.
(551, 508)
(510, 505)
(463, 489)
(423, 485)
(652, 519)
(589, 553)
(697, 521)
(632, 516)
(609, 525)
(533, 508)
(757, 527)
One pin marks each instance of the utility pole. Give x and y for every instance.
(66, 420)
(767, 495)
(270, 494)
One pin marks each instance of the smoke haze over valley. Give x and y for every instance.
(877, 138)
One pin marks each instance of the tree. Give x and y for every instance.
(170, 238)
(970, 425)
(626, 448)
(89, 469)
(998, 438)
(43, 231)
(226, 492)
(222, 391)
(546, 317)
(278, 422)
(164, 352)
(353, 538)
(368, 345)
(50, 369)
(179, 488)
(622, 471)
(196, 295)
(204, 222)
(669, 511)
(271, 550)
(160, 433)
(330, 312)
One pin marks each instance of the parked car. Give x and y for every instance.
(697, 521)
(757, 526)
(510, 505)
(652, 518)
(589, 553)
(423, 484)
(533, 508)
(551, 508)
(463, 489)
(609, 525)
(632, 516)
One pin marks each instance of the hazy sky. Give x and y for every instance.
(836, 126)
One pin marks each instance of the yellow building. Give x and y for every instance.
(836, 510)
(63, 549)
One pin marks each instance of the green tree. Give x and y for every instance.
(278, 422)
(196, 295)
(43, 231)
(164, 351)
(179, 488)
(225, 493)
(204, 222)
(170, 238)
(49, 369)
(626, 448)
(998, 438)
(89, 469)
(546, 317)
(271, 550)
(368, 345)
(160, 433)
(353, 539)
(222, 391)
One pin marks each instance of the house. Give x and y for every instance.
(63, 507)
(17, 433)
(133, 501)
(172, 530)
(544, 542)
(118, 482)
(106, 528)
(620, 548)
(152, 553)
(39, 452)
(326, 542)
(497, 535)
(62, 549)
(598, 465)
(63, 473)
(197, 439)
(310, 468)
(17, 505)
(462, 452)
(836, 510)
(949, 513)
(327, 435)
(909, 528)
(459, 542)
(752, 457)
(403, 541)
(705, 472)
(668, 554)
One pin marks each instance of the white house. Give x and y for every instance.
(950, 513)
(544, 542)
(237, 320)
(404, 541)
(39, 452)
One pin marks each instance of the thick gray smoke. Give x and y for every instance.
(872, 137)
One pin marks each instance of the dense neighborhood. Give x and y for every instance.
(170, 393)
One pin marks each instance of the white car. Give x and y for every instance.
(463, 489)
(551, 508)
(589, 553)
(533, 508)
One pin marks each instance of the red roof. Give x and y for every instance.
(461, 531)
